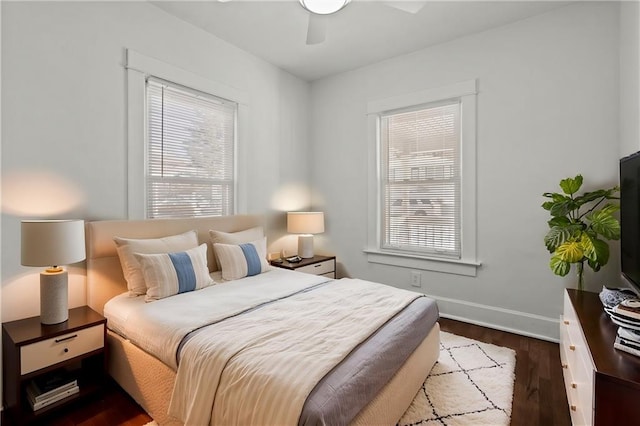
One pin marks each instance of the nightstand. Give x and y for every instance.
(316, 265)
(31, 349)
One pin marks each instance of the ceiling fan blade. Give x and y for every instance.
(317, 29)
(407, 6)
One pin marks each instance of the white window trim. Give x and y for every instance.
(139, 67)
(467, 264)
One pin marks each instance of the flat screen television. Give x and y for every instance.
(630, 219)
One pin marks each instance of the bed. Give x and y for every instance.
(150, 377)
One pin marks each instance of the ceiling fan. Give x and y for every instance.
(320, 9)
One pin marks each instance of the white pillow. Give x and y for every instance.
(243, 260)
(240, 237)
(131, 268)
(167, 274)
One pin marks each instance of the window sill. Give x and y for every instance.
(449, 266)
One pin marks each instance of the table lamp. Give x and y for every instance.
(306, 224)
(52, 243)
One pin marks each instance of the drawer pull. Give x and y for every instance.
(317, 265)
(574, 385)
(73, 336)
(574, 408)
(565, 365)
(566, 322)
(65, 350)
(572, 347)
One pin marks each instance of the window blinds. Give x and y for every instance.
(190, 152)
(421, 180)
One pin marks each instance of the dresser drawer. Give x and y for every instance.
(320, 268)
(577, 408)
(61, 348)
(577, 366)
(582, 385)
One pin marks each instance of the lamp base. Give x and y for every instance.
(305, 246)
(54, 297)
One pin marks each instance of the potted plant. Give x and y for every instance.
(579, 227)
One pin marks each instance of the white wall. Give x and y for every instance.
(547, 109)
(64, 120)
(629, 77)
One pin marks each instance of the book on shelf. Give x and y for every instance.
(37, 405)
(627, 346)
(629, 334)
(36, 395)
(50, 384)
(629, 308)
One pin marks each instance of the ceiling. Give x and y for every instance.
(364, 32)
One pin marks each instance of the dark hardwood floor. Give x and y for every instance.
(539, 396)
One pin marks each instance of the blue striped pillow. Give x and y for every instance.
(167, 274)
(243, 260)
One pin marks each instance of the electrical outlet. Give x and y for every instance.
(416, 279)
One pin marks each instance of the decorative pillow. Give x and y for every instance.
(243, 260)
(167, 274)
(240, 237)
(131, 268)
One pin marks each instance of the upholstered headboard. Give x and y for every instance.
(104, 273)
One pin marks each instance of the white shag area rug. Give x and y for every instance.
(471, 384)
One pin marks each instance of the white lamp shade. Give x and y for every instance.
(305, 222)
(52, 242)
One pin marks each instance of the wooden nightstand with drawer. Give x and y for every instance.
(316, 265)
(31, 350)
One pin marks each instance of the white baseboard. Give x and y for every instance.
(523, 323)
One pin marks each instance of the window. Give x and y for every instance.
(420, 185)
(422, 180)
(183, 155)
(190, 152)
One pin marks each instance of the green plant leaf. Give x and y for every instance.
(570, 251)
(610, 193)
(559, 266)
(610, 208)
(556, 197)
(563, 208)
(588, 247)
(604, 224)
(597, 253)
(558, 201)
(547, 205)
(555, 237)
(559, 221)
(591, 196)
(594, 265)
(571, 186)
(602, 251)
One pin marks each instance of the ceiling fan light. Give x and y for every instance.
(324, 7)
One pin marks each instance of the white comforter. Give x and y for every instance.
(158, 327)
(259, 367)
(253, 362)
